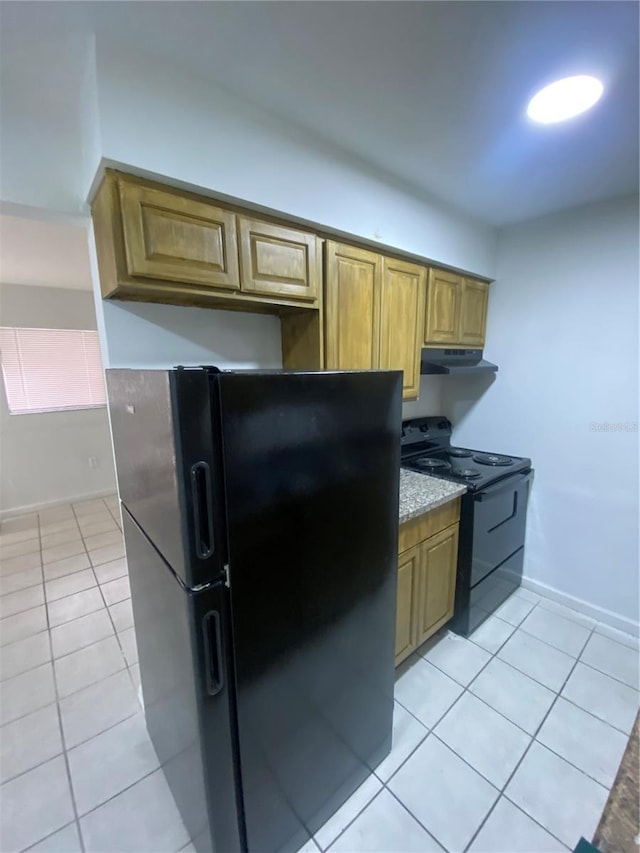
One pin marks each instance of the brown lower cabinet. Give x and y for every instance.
(426, 577)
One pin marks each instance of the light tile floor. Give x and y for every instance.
(507, 742)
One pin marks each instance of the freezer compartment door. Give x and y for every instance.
(167, 461)
(182, 647)
(312, 467)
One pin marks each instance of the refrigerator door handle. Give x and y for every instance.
(203, 523)
(213, 652)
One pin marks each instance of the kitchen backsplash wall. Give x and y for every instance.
(430, 400)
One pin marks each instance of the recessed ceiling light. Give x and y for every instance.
(564, 99)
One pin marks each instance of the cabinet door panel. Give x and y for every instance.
(405, 623)
(278, 261)
(443, 308)
(403, 296)
(352, 305)
(179, 239)
(473, 313)
(436, 582)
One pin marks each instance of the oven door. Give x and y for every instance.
(499, 521)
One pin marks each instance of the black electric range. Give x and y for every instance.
(492, 515)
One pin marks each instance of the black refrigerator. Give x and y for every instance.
(260, 515)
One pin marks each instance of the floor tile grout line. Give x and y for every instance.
(62, 597)
(66, 749)
(431, 729)
(75, 807)
(532, 737)
(465, 689)
(50, 580)
(578, 619)
(596, 717)
(608, 674)
(551, 645)
(411, 814)
(122, 791)
(62, 736)
(73, 822)
(113, 625)
(522, 757)
(578, 659)
(29, 668)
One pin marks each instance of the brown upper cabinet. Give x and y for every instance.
(352, 307)
(278, 261)
(456, 310)
(473, 313)
(403, 297)
(156, 243)
(373, 313)
(162, 244)
(178, 239)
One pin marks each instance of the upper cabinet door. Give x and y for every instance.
(401, 323)
(443, 309)
(352, 307)
(473, 313)
(177, 238)
(278, 261)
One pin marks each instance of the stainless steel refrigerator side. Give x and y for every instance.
(165, 464)
(311, 474)
(183, 670)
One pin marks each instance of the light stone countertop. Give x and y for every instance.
(419, 493)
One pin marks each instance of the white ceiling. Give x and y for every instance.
(47, 254)
(433, 94)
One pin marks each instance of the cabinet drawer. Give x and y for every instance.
(176, 238)
(278, 261)
(418, 529)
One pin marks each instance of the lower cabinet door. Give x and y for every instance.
(408, 564)
(436, 582)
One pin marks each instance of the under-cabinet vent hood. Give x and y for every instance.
(455, 361)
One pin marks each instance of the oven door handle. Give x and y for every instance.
(513, 481)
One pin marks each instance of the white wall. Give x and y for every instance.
(430, 401)
(563, 328)
(147, 335)
(154, 117)
(45, 457)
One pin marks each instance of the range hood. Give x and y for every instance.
(455, 361)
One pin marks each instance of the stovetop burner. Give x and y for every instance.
(431, 464)
(492, 459)
(426, 450)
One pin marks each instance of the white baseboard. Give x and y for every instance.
(600, 614)
(23, 510)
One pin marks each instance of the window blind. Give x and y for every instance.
(50, 370)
